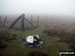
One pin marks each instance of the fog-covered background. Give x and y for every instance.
(54, 7)
(50, 12)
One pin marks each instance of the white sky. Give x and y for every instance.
(59, 7)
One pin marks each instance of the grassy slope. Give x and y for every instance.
(17, 48)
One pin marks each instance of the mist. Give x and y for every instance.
(53, 7)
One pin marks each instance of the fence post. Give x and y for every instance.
(38, 21)
(22, 25)
(5, 21)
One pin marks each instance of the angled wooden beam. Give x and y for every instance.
(11, 26)
(29, 22)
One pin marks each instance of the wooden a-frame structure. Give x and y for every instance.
(22, 22)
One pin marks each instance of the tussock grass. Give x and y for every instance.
(17, 48)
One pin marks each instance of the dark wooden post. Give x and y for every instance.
(31, 19)
(0, 21)
(38, 21)
(5, 21)
(22, 25)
